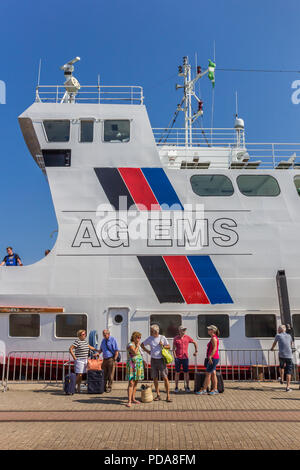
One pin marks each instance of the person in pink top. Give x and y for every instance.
(211, 361)
(180, 347)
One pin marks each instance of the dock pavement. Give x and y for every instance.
(247, 416)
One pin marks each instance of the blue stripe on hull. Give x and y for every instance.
(162, 188)
(210, 280)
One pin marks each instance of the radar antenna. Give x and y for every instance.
(71, 84)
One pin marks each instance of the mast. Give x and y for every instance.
(189, 92)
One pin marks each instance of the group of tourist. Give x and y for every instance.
(153, 345)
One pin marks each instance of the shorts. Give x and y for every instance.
(210, 367)
(158, 365)
(80, 366)
(181, 362)
(286, 363)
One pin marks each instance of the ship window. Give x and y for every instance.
(86, 131)
(168, 324)
(221, 321)
(24, 325)
(296, 325)
(258, 185)
(297, 184)
(260, 325)
(116, 131)
(211, 185)
(57, 130)
(67, 325)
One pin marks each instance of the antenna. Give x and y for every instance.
(236, 104)
(39, 73)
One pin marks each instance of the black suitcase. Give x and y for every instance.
(199, 381)
(95, 381)
(70, 384)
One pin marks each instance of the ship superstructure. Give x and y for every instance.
(180, 226)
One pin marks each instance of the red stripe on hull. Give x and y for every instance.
(186, 280)
(139, 189)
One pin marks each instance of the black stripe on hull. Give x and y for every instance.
(114, 187)
(160, 279)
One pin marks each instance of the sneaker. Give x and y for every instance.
(187, 389)
(203, 392)
(176, 390)
(213, 392)
(288, 389)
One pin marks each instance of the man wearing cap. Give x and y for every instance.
(180, 347)
(156, 342)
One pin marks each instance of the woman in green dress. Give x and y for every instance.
(134, 367)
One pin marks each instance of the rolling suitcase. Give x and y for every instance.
(199, 381)
(70, 384)
(95, 381)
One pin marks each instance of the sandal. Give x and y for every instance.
(128, 405)
(157, 398)
(169, 400)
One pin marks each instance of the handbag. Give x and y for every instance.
(94, 364)
(119, 354)
(167, 356)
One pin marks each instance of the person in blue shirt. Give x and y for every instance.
(110, 350)
(11, 259)
(285, 343)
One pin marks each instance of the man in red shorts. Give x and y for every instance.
(180, 347)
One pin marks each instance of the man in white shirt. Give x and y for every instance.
(156, 341)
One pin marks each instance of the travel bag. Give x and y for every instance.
(94, 364)
(199, 381)
(70, 384)
(95, 381)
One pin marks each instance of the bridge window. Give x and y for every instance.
(221, 321)
(57, 130)
(116, 131)
(211, 185)
(297, 184)
(86, 131)
(168, 324)
(67, 325)
(258, 185)
(260, 325)
(24, 325)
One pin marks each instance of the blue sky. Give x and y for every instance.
(131, 42)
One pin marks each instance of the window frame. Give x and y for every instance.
(79, 131)
(212, 195)
(115, 142)
(65, 315)
(165, 315)
(21, 336)
(214, 315)
(56, 141)
(262, 337)
(296, 176)
(295, 314)
(253, 176)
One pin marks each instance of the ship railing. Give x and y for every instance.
(254, 364)
(91, 94)
(206, 137)
(51, 367)
(224, 151)
(38, 367)
(2, 364)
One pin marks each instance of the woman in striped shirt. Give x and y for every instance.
(79, 350)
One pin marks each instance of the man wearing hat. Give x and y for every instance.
(180, 347)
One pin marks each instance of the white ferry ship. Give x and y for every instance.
(172, 226)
